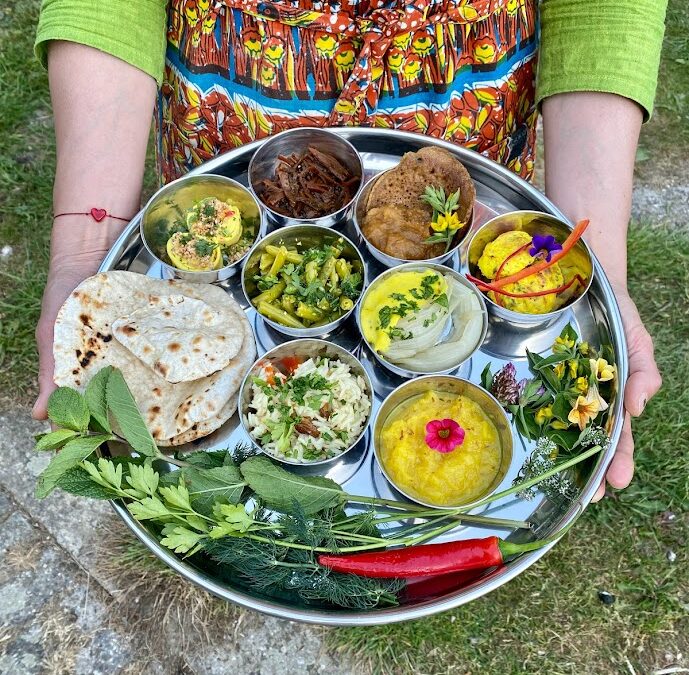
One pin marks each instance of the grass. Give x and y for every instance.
(664, 140)
(550, 619)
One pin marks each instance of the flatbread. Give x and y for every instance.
(205, 428)
(181, 338)
(84, 344)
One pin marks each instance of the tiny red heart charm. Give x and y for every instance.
(98, 214)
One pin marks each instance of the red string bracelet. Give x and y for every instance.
(96, 214)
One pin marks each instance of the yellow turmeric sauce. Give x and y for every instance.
(442, 479)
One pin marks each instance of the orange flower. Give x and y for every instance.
(274, 50)
(345, 58)
(395, 60)
(412, 67)
(586, 408)
(422, 44)
(326, 45)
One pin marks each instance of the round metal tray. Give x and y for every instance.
(597, 320)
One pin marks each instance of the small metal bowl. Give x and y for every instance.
(301, 237)
(531, 222)
(265, 159)
(174, 199)
(304, 349)
(453, 385)
(410, 267)
(360, 206)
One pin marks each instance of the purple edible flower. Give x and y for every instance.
(505, 386)
(544, 244)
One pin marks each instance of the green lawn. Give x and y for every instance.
(550, 619)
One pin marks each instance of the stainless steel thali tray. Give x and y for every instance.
(597, 320)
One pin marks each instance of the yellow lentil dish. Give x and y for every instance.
(440, 478)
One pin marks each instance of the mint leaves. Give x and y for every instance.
(85, 423)
(67, 408)
(96, 400)
(55, 439)
(71, 454)
(122, 407)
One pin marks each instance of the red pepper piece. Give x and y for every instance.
(514, 254)
(567, 246)
(535, 294)
(433, 559)
(290, 363)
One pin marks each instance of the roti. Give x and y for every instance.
(91, 324)
(181, 338)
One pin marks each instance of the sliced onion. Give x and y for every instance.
(424, 351)
(448, 354)
(422, 338)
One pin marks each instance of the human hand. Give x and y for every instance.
(643, 382)
(64, 275)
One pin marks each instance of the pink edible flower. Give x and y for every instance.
(444, 435)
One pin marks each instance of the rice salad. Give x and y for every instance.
(314, 412)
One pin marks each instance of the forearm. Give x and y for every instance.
(590, 144)
(102, 108)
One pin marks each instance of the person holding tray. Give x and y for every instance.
(221, 73)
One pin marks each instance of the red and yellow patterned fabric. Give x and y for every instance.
(241, 70)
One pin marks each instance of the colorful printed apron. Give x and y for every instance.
(240, 70)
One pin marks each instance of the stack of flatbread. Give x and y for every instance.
(183, 348)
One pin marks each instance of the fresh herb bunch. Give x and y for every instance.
(445, 222)
(559, 486)
(563, 408)
(569, 392)
(240, 514)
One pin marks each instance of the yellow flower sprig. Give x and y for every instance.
(445, 222)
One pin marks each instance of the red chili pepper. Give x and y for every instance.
(432, 587)
(432, 559)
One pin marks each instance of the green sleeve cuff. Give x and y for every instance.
(131, 31)
(607, 46)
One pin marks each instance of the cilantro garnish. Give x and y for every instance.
(351, 286)
(265, 281)
(203, 247)
(301, 385)
(400, 334)
(385, 315)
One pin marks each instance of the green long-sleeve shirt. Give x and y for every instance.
(586, 45)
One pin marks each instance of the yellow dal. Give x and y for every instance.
(380, 294)
(442, 479)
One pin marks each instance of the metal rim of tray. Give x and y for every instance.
(496, 175)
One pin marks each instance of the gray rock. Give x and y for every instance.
(666, 205)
